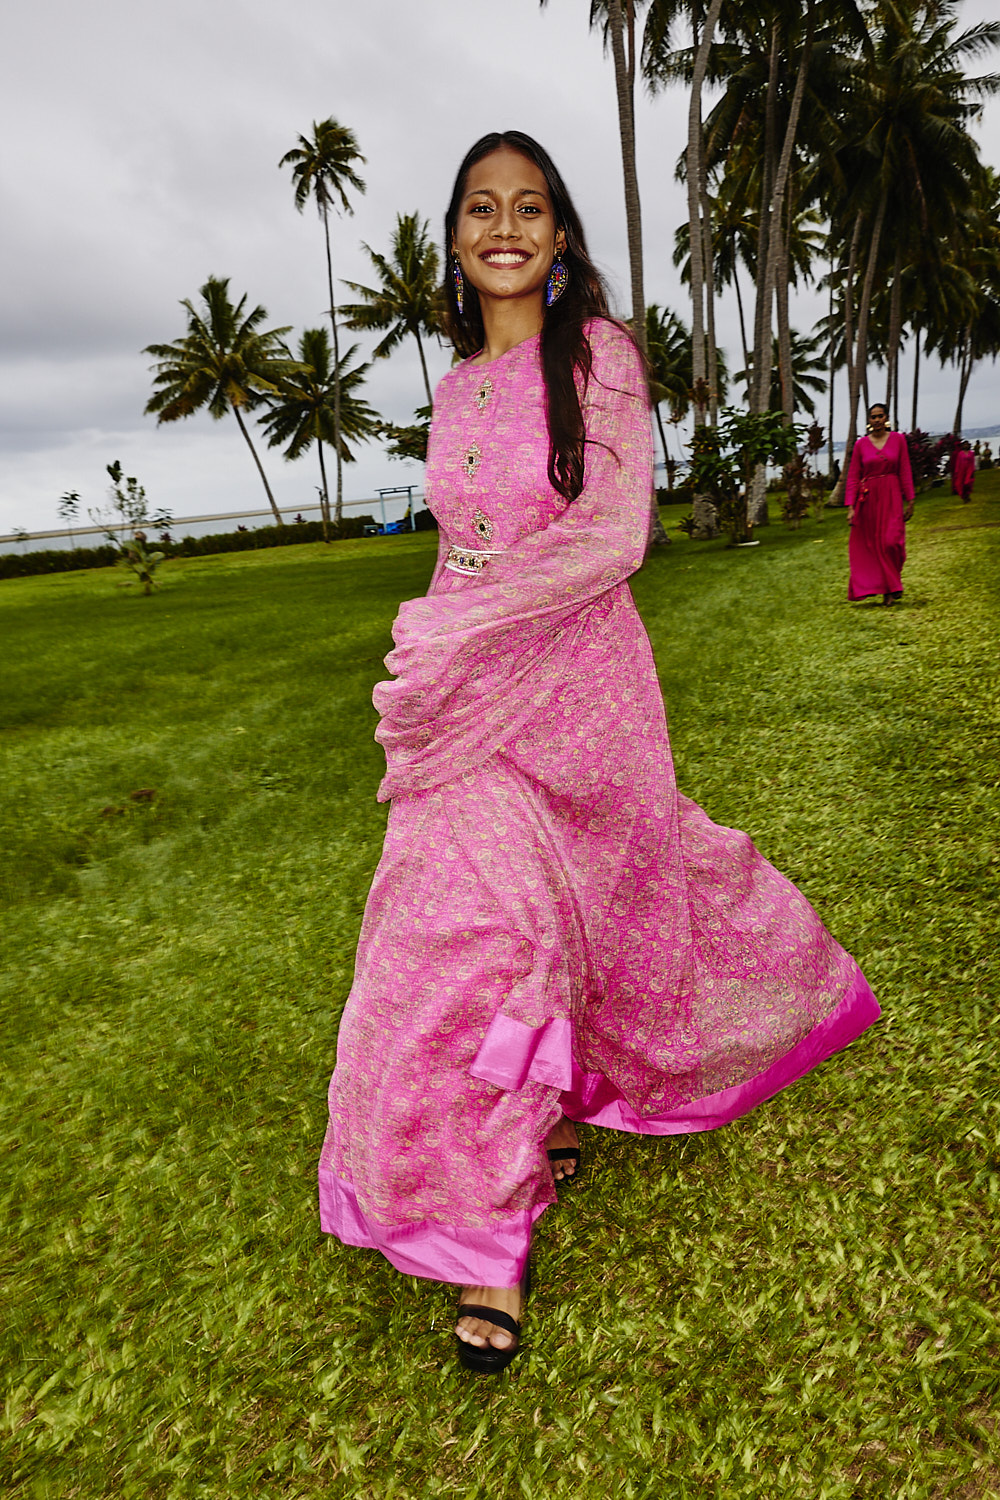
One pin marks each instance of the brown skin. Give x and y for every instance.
(506, 239)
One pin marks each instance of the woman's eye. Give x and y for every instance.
(481, 208)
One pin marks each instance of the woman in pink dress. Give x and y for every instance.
(879, 500)
(553, 934)
(963, 472)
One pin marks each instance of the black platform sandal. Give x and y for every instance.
(488, 1360)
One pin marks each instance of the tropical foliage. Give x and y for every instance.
(302, 412)
(834, 150)
(323, 167)
(406, 300)
(225, 362)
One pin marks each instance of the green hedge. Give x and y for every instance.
(68, 560)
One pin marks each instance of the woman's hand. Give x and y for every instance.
(850, 515)
(908, 512)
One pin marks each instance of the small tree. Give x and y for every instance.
(122, 520)
(140, 561)
(128, 508)
(804, 487)
(69, 509)
(724, 459)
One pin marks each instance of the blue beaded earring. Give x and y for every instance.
(558, 281)
(458, 282)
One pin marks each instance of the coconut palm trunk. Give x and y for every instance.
(423, 366)
(711, 351)
(773, 212)
(857, 364)
(916, 376)
(784, 327)
(895, 337)
(625, 90)
(324, 498)
(964, 372)
(832, 370)
(699, 233)
(339, 511)
(260, 467)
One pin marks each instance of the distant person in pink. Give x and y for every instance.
(963, 472)
(879, 500)
(553, 933)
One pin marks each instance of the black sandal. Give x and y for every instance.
(489, 1360)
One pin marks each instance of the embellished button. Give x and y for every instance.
(482, 525)
(484, 393)
(470, 463)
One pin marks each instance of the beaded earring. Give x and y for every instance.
(458, 282)
(558, 281)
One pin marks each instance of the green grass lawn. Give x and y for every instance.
(802, 1305)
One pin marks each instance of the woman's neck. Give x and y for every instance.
(508, 322)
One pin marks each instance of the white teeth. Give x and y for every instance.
(501, 259)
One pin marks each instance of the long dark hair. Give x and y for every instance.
(564, 347)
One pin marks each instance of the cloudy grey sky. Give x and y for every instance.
(140, 155)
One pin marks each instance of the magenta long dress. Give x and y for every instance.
(551, 928)
(878, 482)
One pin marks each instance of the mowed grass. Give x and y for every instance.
(802, 1305)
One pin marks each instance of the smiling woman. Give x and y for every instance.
(553, 934)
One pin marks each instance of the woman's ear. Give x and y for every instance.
(560, 241)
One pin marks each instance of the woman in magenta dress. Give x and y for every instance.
(553, 934)
(963, 472)
(879, 500)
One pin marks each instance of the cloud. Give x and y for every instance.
(146, 159)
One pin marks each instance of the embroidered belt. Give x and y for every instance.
(468, 560)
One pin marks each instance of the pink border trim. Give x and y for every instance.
(497, 1256)
(440, 1252)
(593, 1100)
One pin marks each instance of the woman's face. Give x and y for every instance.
(506, 237)
(878, 420)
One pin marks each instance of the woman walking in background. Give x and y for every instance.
(963, 472)
(553, 934)
(879, 500)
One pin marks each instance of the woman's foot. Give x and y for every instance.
(563, 1137)
(479, 1330)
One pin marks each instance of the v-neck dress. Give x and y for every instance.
(552, 928)
(879, 481)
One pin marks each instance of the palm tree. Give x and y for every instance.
(224, 362)
(807, 355)
(323, 168)
(617, 19)
(668, 347)
(407, 300)
(907, 156)
(661, 66)
(302, 410)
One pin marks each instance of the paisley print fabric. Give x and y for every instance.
(552, 928)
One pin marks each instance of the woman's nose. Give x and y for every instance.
(505, 225)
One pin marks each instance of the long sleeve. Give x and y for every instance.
(854, 472)
(905, 472)
(471, 667)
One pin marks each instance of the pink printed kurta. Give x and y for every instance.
(551, 928)
(878, 482)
